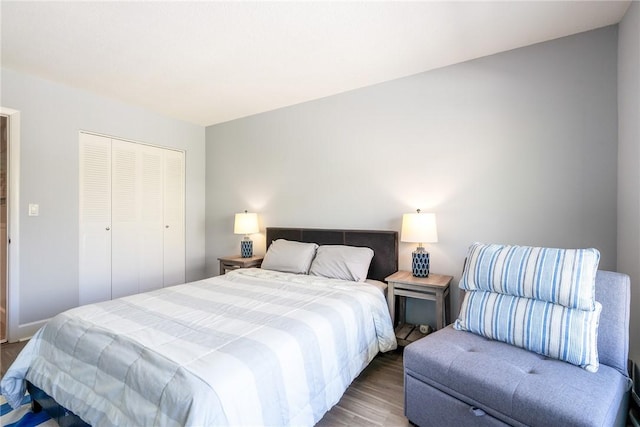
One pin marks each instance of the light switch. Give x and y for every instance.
(34, 209)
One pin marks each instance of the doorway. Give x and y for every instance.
(4, 243)
(9, 248)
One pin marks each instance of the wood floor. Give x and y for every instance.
(8, 353)
(375, 398)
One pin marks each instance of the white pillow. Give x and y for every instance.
(342, 262)
(290, 257)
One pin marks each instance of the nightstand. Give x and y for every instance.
(433, 288)
(228, 263)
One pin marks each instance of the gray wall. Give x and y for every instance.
(629, 163)
(519, 147)
(51, 117)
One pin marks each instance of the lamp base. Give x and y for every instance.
(420, 263)
(246, 248)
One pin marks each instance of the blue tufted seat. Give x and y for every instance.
(459, 378)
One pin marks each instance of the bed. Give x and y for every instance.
(252, 347)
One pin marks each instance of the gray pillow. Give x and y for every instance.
(289, 256)
(342, 262)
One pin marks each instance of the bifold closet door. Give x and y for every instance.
(174, 232)
(136, 218)
(95, 219)
(132, 199)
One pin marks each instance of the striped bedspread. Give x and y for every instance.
(253, 347)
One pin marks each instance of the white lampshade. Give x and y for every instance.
(419, 228)
(246, 223)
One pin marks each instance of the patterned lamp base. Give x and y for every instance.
(246, 248)
(420, 263)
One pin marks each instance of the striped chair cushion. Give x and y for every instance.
(560, 276)
(549, 329)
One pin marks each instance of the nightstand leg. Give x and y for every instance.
(441, 309)
(402, 310)
(447, 309)
(391, 301)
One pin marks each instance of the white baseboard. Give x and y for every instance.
(27, 330)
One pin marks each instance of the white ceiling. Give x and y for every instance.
(210, 62)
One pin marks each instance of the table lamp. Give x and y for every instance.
(246, 223)
(419, 228)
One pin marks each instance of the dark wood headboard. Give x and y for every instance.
(383, 243)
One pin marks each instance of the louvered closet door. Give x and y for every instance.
(131, 218)
(151, 219)
(95, 219)
(174, 202)
(137, 237)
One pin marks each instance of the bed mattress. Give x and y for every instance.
(252, 347)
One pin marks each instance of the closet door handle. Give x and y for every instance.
(166, 226)
(108, 228)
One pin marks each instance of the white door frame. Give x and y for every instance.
(13, 218)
